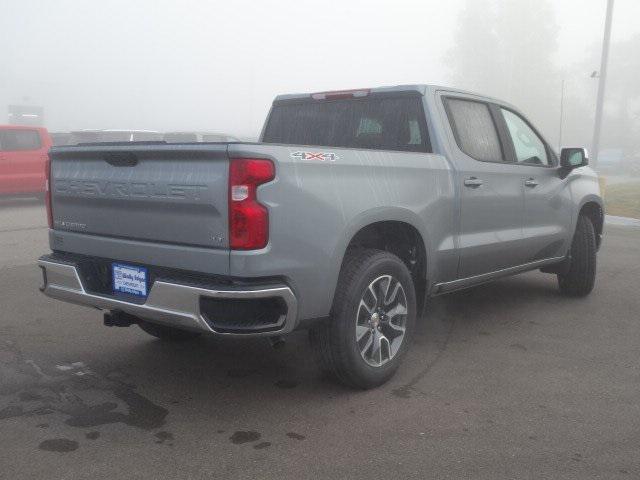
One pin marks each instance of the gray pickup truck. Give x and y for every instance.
(353, 209)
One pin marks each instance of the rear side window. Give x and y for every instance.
(375, 122)
(13, 140)
(474, 129)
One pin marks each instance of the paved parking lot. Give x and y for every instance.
(508, 380)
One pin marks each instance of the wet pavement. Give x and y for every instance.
(507, 380)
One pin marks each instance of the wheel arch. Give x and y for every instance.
(397, 231)
(593, 208)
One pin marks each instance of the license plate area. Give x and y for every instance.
(129, 279)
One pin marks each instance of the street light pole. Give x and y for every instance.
(602, 78)
(561, 115)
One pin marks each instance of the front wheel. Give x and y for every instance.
(372, 320)
(581, 275)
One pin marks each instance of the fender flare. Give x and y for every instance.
(369, 217)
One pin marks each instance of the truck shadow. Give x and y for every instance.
(493, 308)
(503, 301)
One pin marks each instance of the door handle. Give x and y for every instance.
(121, 159)
(472, 182)
(531, 183)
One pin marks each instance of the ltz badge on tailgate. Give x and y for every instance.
(317, 156)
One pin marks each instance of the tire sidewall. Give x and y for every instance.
(580, 278)
(382, 264)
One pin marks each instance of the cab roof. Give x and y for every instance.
(422, 89)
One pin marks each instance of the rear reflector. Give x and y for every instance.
(248, 218)
(360, 92)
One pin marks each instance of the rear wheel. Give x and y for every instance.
(581, 275)
(372, 320)
(167, 333)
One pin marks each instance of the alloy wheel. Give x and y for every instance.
(381, 320)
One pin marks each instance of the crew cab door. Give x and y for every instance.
(547, 200)
(491, 189)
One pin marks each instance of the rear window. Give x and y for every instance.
(382, 123)
(13, 140)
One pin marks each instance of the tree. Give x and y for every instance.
(506, 50)
(621, 115)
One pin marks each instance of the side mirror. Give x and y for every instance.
(574, 157)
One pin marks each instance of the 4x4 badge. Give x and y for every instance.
(317, 156)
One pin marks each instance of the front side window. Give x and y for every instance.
(474, 129)
(14, 140)
(369, 126)
(528, 146)
(415, 136)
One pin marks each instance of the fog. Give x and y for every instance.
(216, 66)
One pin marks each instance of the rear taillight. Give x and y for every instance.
(248, 218)
(47, 191)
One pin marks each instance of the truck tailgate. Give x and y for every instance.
(170, 194)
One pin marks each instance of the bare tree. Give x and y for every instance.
(506, 50)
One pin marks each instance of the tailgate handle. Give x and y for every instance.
(125, 159)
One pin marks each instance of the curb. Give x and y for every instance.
(622, 221)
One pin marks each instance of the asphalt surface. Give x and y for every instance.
(508, 380)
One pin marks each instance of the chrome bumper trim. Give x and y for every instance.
(170, 304)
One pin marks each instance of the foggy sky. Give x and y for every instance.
(216, 66)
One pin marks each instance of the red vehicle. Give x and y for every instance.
(23, 159)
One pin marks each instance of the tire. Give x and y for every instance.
(359, 364)
(581, 275)
(165, 333)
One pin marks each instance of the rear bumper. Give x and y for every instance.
(173, 304)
